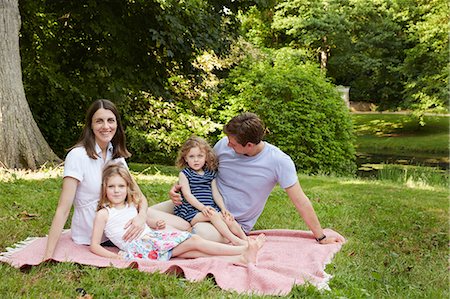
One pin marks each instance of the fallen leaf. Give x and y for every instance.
(24, 215)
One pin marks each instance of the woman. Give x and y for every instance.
(102, 139)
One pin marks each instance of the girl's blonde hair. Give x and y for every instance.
(211, 161)
(134, 196)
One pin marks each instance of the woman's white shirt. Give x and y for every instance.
(88, 172)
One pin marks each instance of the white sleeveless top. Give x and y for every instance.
(117, 218)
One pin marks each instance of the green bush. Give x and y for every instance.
(304, 113)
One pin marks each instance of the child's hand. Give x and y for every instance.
(208, 211)
(227, 215)
(160, 224)
(121, 255)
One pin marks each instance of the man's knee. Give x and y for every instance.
(165, 206)
(208, 231)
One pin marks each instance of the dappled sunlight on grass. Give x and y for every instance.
(155, 178)
(379, 127)
(418, 184)
(9, 175)
(358, 182)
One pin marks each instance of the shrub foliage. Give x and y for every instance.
(303, 112)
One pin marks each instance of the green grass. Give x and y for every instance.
(399, 134)
(397, 238)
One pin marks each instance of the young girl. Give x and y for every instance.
(117, 205)
(202, 200)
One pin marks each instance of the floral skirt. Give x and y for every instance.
(155, 245)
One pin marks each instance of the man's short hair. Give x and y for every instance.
(246, 127)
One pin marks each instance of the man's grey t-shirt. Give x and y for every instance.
(246, 182)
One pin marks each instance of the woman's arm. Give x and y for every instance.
(97, 232)
(69, 188)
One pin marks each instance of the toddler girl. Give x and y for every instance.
(202, 201)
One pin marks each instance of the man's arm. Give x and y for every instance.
(306, 211)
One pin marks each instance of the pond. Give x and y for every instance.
(369, 164)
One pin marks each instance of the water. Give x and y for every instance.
(369, 164)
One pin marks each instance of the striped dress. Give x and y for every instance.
(201, 188)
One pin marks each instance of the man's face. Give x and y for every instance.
(236, 146)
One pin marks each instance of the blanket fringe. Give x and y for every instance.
(17, 247)
(21, 245)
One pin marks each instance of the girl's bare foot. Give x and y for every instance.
(260, 239)
(240, 242)
(249, 256)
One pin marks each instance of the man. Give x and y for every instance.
(249, 169)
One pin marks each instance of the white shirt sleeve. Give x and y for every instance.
(73, 166)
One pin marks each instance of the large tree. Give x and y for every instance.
(21, 142)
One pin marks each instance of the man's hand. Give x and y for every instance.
(174, 194)
(134, 228)
(330, 240)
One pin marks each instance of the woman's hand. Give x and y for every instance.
(174, 194)
(134, 228)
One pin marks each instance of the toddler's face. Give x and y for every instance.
(196, 158)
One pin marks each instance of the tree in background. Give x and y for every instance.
(21, 143)
(391, 52)
(77, 51)
(426, 66)
(315, 25)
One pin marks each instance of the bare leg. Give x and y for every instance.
(207, 231)
(164, 211)
(221, 226)
(198, 247)
(235, 228)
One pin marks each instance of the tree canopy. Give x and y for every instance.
(391, 52)
(163, 62)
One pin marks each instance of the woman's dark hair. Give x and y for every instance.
(87, 138)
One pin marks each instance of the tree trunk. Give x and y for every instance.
(324, 53)
(21, 142)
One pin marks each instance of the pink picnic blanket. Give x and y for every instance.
(288, 258)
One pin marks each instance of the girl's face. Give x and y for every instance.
(116, 190)
(104, 126)
(195, 158)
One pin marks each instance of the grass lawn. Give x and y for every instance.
(397, 240)
(402, 135)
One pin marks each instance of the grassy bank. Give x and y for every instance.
(397, 237)
(402, 135)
